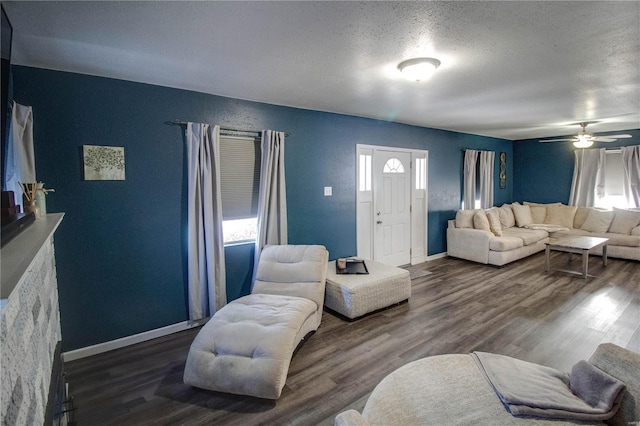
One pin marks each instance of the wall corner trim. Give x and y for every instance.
(437, 256)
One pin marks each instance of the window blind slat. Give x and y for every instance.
(239, 177)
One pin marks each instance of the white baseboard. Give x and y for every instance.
(152, 334)
(437, 256)
(421, 259)
(129, 340)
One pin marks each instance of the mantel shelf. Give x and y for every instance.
(18, 254)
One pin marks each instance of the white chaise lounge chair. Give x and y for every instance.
(246, 347)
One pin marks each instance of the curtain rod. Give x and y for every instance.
(611, 150)
(228, 129)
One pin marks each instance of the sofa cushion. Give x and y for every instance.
(505, 243)
(480, 221)
(436, 390)
(528, 236)
(624, 221)
(507, 220)
(560, 215)
(442, 390)
(621, 239)
(464, 218)
(522, 215)
(598, 221)
(614, 239)
(493, 215)
(636, 230)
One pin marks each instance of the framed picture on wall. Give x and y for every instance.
(103, 162)
(503, 170)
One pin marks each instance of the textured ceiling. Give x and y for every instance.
(512, 70)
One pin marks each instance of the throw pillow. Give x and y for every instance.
(624, 221)
(560, 215)
(529, 203)
(538, 213)
(522, 215)
(581, 216)
(507, 220)
(539, 210)
(464, 218)
(480, 221)
(598, 221)
(493, 215)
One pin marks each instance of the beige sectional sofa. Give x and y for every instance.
(504, 234)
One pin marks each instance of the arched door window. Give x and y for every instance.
(393, 165)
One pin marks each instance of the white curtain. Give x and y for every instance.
(486, 178)
(469, 184)
(206, 267)
(631, 176)
(588, 177)
(20, 161)
(272, 199)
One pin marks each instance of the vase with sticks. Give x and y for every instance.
(30, 196)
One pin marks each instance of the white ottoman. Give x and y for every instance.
(354, 295)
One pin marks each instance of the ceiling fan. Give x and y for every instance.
(585, 140)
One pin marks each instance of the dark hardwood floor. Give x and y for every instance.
(519, 310)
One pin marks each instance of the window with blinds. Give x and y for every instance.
(239, 186)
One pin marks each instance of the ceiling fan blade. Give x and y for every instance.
(615, 136)
(556, 140)
(604, 139)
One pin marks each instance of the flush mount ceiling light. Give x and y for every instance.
(418, 68)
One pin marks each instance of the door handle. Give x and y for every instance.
(379, 222)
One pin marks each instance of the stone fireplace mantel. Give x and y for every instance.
(29, 323)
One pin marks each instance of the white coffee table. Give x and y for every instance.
(579, 245)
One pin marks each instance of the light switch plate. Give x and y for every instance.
(327, 191)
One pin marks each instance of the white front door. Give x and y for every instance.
(392, 201)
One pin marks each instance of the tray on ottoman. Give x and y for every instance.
(354, 295)
(353, 266)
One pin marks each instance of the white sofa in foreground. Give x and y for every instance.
(452, 390)
(504, 234)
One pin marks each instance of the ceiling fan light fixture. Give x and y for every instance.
(585, 140)
(418, 69)
(583, 143)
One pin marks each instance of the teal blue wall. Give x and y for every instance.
(120, 250)
(543, 171)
